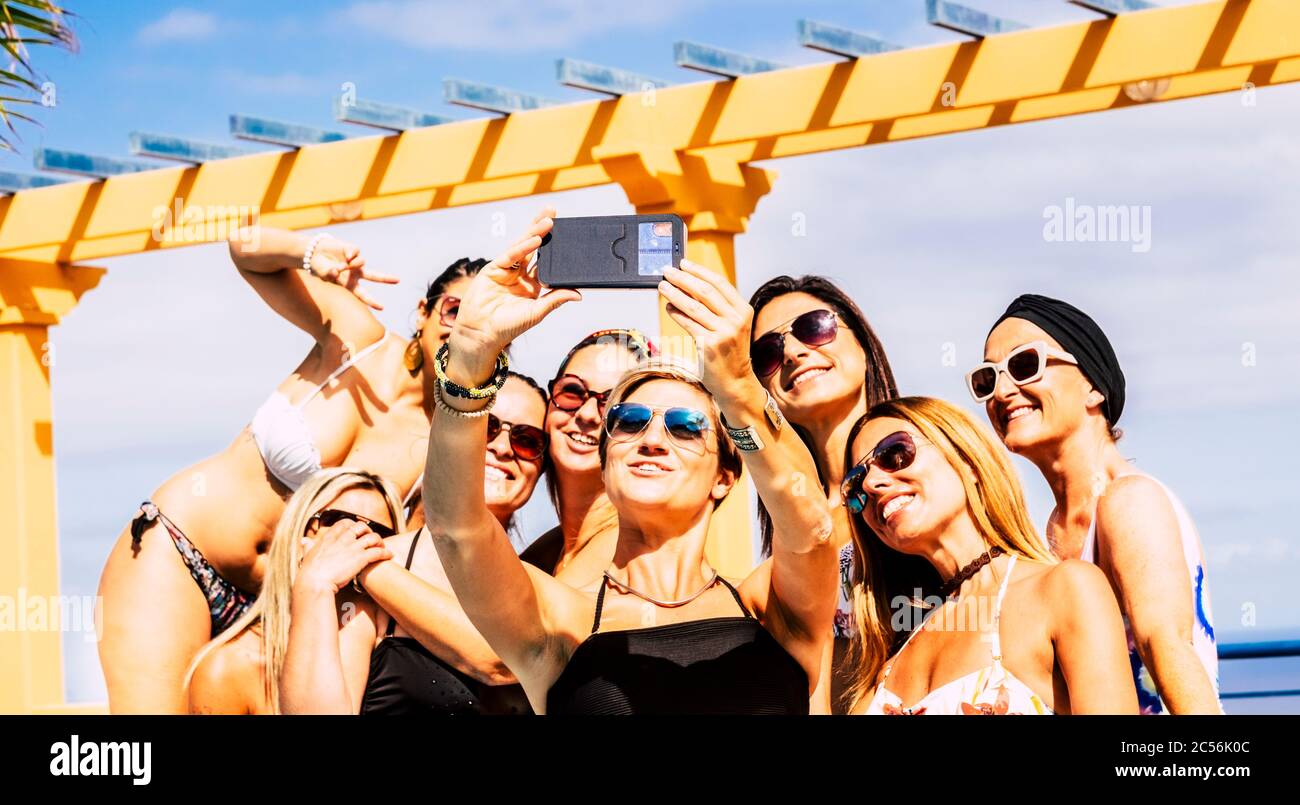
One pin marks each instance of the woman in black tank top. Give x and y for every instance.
(661, 631)
(438, 664)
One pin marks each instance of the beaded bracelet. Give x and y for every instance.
(456, 412)
(488, 389)
(311, 251)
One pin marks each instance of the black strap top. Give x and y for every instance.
(408, 679)
(724, 665)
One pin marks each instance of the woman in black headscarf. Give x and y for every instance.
(1054, 391)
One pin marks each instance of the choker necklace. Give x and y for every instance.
(954, 584)
(623, 587)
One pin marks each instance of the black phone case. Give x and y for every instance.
(601, 252)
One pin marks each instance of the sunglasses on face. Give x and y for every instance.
(329, 517)
(893, 453)
(815, 328)
(447, 310)
(1024, 365)
(685, 426)
(570, 392)
(527, 441)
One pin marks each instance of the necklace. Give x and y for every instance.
(954, 584)
(623, 587)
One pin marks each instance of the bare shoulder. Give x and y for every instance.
(227, 679)
(1132, 499)
(1072, 586)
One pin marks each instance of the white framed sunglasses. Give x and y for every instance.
(1024, 365)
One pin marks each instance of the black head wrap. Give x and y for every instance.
(1080, 336)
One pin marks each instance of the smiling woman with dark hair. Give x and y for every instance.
(1053, 389)
(660, 631)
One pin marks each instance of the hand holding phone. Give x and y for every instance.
(614, 251)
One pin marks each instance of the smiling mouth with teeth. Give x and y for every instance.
(896, 504)
(807, 375)
(492, 473)
(647, 467)
(1018, 413)
(582, 439)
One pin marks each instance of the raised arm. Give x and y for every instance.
(1141, 550)
(519, 610)
(1088, 635)
(327, 660)
(328, 302)
(799, 599)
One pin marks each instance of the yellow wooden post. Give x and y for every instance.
(33, 296)
(715, 195)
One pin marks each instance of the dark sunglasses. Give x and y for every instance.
(893, 453)
(448, 309)
(815, 328)
(570, 392)
(329, 517)
(527, 441)
(686, 426)
(1024, 365)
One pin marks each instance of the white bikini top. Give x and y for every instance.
(992, 690)
(281, 433)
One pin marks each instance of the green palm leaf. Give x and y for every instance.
(24, 23)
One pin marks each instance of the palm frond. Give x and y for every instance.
(23, 23)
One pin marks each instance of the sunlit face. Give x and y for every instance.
(1040, 412)
(810, 377)
(433, 332)
(362, 500)
(909, 507)
(575, 434)
(654, 471)
(508, 480)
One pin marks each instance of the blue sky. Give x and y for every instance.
(932, 237)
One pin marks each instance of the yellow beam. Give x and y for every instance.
(1016, 77)
(32, 297)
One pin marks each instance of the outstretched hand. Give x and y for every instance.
(504, 301)
(341, 263)
(713, 312)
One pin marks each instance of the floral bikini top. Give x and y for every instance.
(990, 691)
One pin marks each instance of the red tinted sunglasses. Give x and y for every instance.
(448, 309)
(527, 441)
(815, 328)
(570, 392)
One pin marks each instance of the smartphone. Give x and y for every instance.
(612, 251)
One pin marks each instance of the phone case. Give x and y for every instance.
(614, 251)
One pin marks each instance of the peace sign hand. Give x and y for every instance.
(341, 263)
(504, 301)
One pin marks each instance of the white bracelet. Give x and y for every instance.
(311, 250)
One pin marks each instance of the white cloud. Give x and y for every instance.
(287, 83)
(507, 25)
(179, 25)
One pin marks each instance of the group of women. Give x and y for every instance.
(350, 552)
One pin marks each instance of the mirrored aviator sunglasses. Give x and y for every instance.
(893, 453)
(815, 328)
(686, 426)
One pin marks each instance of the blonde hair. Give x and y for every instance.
(668, 369)
(271, 609)
(993, 499)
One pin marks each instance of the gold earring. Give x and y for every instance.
(413, 357)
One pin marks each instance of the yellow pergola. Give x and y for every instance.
(687, 149)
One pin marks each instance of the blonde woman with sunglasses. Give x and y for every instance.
(1012, 630)
(660, 631)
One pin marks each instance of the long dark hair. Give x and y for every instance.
(878, 382)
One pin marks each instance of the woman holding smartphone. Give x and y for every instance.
(660, 631)
(1053, 390)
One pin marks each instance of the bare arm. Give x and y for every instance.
(434, 617)
(322, 662)
(327, 303)
(520, 611)
(800, 599)
(222, 685)
(1088, 636)
(1140, 549)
